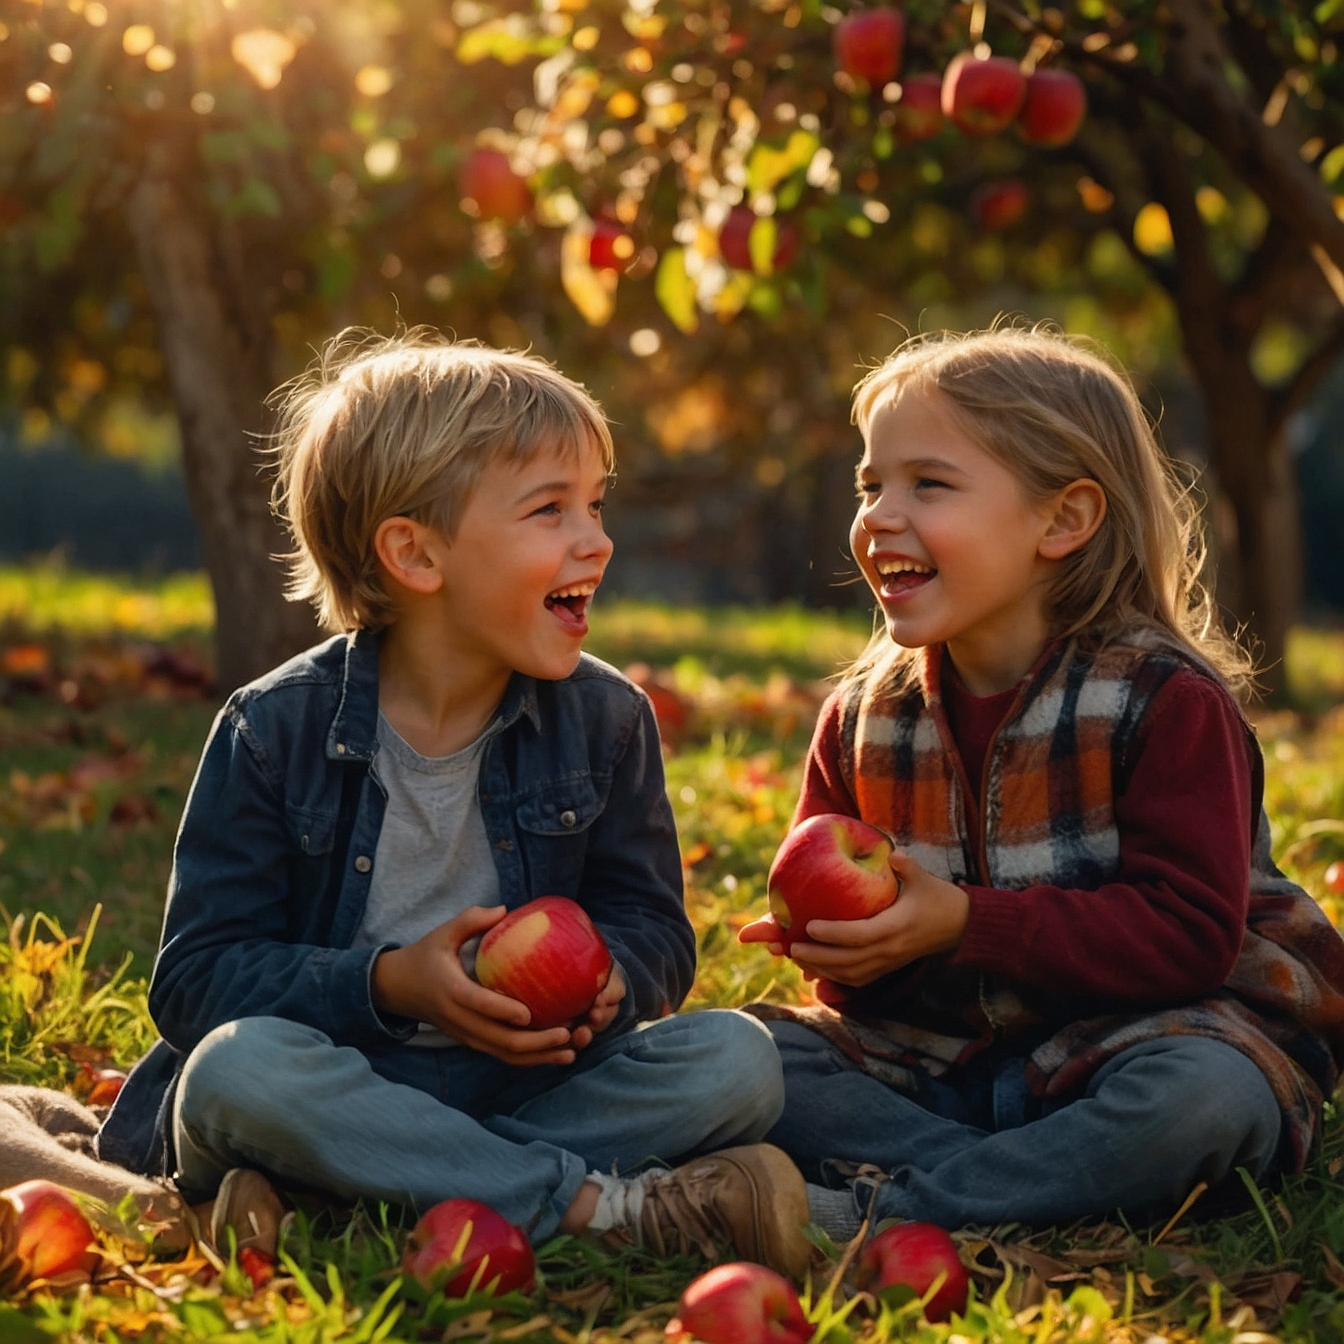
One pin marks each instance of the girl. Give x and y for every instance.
(1095, 989)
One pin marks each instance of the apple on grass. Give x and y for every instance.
(982, 94)
(830, 866)
(54, 1235)
(462, 1246)
(869, 44)
(740, 1303)
(914, 1256)
(548, 955)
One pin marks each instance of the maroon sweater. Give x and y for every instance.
(1171, 925)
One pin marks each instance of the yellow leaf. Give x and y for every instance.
(769, 166)
(676, 291)
(1152, 230)
(591, 291)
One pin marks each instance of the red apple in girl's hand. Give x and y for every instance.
(740, 1304)
(549, 955)
(54, 1235)
(981, 95)
(462, 1240)
(1334, 879)
(830, 867)
(915, 1254)
(1053, 108)
(919, 114)
(869, 44)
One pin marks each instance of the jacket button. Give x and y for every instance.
(568, 817)
(363, 863)
(340, 748)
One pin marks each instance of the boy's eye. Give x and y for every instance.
(551, 508)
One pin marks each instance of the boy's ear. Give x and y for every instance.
(405, 551)
(1076, 513)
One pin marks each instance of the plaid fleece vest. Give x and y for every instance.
(1052, 773)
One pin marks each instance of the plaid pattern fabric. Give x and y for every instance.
(1048, 817)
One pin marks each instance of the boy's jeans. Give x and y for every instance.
(978, 1147)
(417, 1125)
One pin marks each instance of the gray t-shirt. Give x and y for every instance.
(433, 858)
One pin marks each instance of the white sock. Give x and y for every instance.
(620, 1200)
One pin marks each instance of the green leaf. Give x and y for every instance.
(509, 40)
(1327, 10)
(16, 1328)
(1332, 166)
(255, 198)
(769, 166)
(761, 243)
(676, 291)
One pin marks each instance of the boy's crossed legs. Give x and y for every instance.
(1152, 1123)
(415, 1126)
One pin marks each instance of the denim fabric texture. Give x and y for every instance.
(274, 858)
(977, 1146)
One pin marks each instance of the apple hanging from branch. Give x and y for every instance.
(1052, 109)
(869, 45)
(918, 113)
(982, 94)
(490, 189)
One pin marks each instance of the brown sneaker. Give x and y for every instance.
(749, 1201)
(247, 1204)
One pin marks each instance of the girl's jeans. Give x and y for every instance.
(417, 1125)
(978, 1147)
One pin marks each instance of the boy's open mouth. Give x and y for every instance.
(900, 577)
(570, 605)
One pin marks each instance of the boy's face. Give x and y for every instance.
(528, 554)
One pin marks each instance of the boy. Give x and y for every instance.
(365, 812)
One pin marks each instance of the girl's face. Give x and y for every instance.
(949, 543)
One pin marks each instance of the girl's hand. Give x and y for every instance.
(929, 915)
(763, 930)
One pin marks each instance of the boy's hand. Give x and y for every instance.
(602, 1012)
(427, 981)
(929, 915)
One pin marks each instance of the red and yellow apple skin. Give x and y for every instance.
(982, 95)
(830, 866)
(1053, 109)
(741, 1303)
(915, 1254)
(54, 1235)
(461, 1242)
(548, 955)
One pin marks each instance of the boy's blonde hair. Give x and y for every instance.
(380, 427)
(1053, 411)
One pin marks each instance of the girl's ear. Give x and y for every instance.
(405, 551)
(1075, 514)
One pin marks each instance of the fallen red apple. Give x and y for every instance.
(549, 955)
(830, 866)
(54, 1235)
(740, 1304)
(103, 1085)
(257, 1265)
(869, 44)
(915, 1254)
(462, 1242)
(918, 115)
(611, 247)
(491, 189)
(982, 95)
(1053, 108)
(999, 205)
(735, 241)
(1334, 879)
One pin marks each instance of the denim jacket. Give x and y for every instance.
(274, 859)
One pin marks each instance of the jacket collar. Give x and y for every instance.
(354, 730)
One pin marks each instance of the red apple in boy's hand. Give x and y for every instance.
(981, 95)
(915, 1254)
(740, 1304)
(462, 1240)
(830, 866)
(1053, 108)
(548, 955)
(919, 113)
(54, 1235)
(869, 44)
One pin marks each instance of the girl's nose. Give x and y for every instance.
(878, 519)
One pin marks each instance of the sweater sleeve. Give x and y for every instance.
(824, 788)
(1170, 926)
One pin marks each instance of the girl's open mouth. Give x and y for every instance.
(902, 578)
(570, 606)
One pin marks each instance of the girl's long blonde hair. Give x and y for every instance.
(1054, 411)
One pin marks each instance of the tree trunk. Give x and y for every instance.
(217, 350)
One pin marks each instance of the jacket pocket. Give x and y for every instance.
(312, 832)
(566, 807)
(553, 824)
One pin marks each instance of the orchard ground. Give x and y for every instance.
(104, 704)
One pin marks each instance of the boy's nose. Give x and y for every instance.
(594, 542)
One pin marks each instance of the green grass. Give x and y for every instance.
(750, 682)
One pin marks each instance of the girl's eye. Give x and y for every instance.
(927, 482)
(869, 489)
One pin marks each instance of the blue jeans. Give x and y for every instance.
(977, 1146)
(417, 1125)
